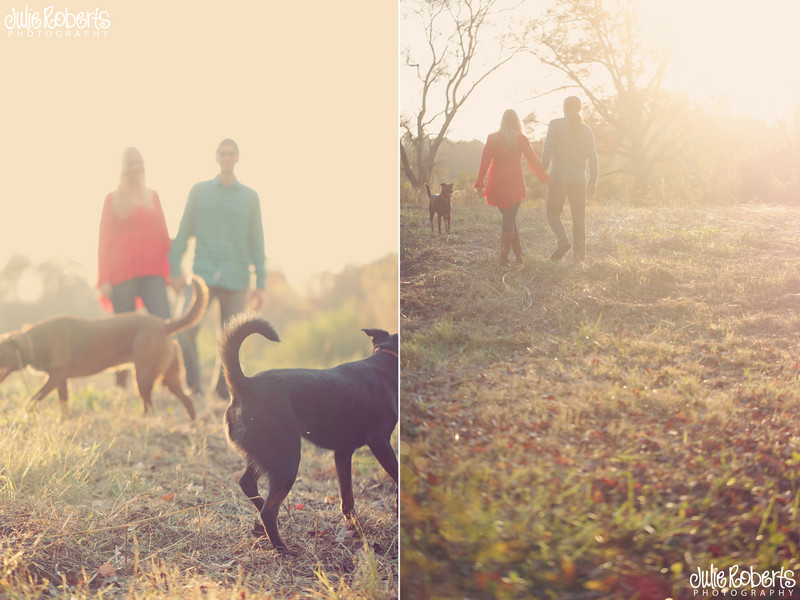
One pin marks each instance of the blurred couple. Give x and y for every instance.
(137, 260)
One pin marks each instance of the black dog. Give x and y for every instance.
(340, 409)
(439, 205)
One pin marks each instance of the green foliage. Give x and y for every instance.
(605, 429)
(324, 328)
(57, 286)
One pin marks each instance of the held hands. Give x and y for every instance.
(254, 303)
(177, 284)
(256, 299)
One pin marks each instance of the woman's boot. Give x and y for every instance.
(505, 247)
(516, 246)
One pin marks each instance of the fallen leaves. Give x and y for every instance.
(106, 571)
(621, 451)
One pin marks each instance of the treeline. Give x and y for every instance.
(658, 143)
(724, 160)
(319, 326)
(30, 292)
(458, 163)
(322, 327)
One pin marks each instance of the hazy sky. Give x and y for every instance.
(307, 89)
(742, 51)
(310, 92)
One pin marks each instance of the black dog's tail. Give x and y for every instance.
(237, 329)
(428, 189)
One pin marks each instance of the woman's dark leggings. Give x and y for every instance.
(152, 290)
(510, 217)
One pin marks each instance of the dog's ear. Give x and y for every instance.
(378, 335)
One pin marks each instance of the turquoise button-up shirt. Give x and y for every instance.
(225, 221)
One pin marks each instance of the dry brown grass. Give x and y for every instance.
(110, 503)
(599, 430)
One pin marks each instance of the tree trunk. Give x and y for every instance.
(409, 172)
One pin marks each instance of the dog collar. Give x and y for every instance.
(387, 352)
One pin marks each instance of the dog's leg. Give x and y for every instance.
(62, 397)
(266, 523)
(281, 462)
(383, 451)
(279, 487)
(249, 484)
(172, 380)
(176, 388)
(343, 460)
(432, 215)
(145, 384)
(53, 381)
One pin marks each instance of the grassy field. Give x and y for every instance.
(106, 502)
(606, 429)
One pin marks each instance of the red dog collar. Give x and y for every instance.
(387, 352)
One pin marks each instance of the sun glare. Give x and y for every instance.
(734, 56)
(29, 286)
(739, 52)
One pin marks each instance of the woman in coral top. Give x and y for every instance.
(502, 159)
(134, 242)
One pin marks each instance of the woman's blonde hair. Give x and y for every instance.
(510, 128)
(131, 191)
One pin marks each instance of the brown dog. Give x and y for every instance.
(65, 347)
(439, 205)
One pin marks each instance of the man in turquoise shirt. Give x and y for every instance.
(224, 218)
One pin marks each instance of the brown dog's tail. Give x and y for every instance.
(428, 189)
(197, 309)
(237, 329)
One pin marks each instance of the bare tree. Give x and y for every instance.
(600, 49)
(448, 66)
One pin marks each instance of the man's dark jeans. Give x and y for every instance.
(230, 302)
(557, 193)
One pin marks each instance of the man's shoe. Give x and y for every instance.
(560, 252)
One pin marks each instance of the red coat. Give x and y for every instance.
(506, 184)
(135, 245)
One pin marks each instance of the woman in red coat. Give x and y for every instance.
(502, 159)
(134, 242)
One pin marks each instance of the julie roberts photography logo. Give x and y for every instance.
(742, 583)
(57, 22)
